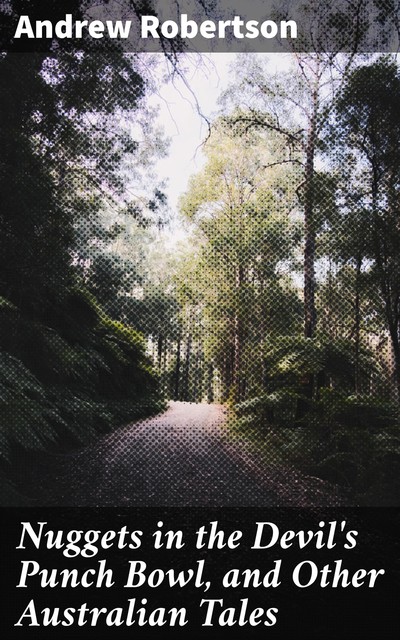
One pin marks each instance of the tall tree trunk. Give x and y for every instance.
(197, 388)
(390, 297)
(186, 377)
(394, 335)
(263, 333)
(210, 382)
(237, 338)
(159, 350)
(177, 376)
(310, 316)
(357, 327)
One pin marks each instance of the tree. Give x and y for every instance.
(69, 127)
(235, 202)
(295, 105)
(367, 117)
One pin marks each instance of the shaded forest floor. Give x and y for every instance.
(184, 457)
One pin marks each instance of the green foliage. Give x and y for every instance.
(245, 236)
(347, 439)
(277, 408)
(28, 417)
(365, 412)
(61, 388)
(366, 461)
(70, 369)
(367, 119)
(81, 301)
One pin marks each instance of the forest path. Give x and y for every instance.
(183, 457)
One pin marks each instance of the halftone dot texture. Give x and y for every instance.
(274, 331)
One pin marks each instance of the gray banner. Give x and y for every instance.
(202, 25)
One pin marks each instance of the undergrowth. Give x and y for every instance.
(67, 376)
(351, 441)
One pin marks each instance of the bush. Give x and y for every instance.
(351, 440)
(65, 383)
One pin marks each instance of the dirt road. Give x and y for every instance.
(184, 457)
